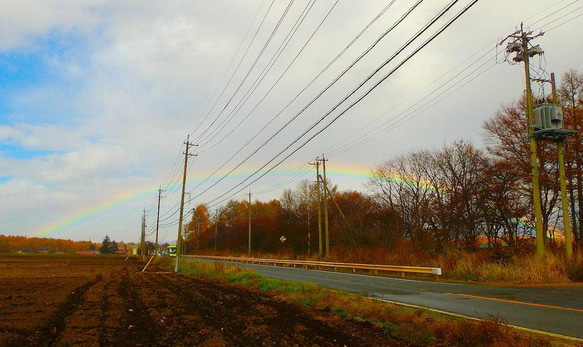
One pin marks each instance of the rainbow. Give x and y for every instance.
(88, 213)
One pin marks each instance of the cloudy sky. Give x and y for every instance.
(98, 97)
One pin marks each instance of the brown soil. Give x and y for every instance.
(104, 301)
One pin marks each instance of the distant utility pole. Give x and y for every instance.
(325, 183)
(317, 165)
(157, 249)
(249, 252)
(143, 238)
(197, 231)
(216, 227)
(520, 44)
(178, 240)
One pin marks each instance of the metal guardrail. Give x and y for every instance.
(308, 264)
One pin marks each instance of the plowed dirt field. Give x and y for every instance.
(105, 301)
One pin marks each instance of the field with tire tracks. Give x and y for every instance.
(105, 300)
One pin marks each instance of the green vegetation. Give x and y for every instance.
(409, 325)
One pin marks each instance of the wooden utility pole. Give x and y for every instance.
(540, 237)
(216, 227)
(181, 215)
(249, 252)
(143, 237)
(197, 231)
(562, 183)
(156, 248)
(325, 183)
(520, 45)
(317, 165)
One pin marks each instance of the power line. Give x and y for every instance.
(207, 111)
(260, 77)
(282, 17)
(266, 70)
(302, 171)
(403, 117)
(430, 39)
(399, 21)
(240, 62)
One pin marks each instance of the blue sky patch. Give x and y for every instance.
(4, 179)
(31, 79)
(18, 152)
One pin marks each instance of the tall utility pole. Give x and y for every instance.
(325, 184)
(157, 249)
(520, 46)
(563, 185)
(249, 252)
(143, 237)
(216, 227)
(197, 230)
(317, 165)
(181, 215)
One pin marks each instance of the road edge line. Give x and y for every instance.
(554, 335)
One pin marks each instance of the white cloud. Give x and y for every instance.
(24, 21)
(144, 72)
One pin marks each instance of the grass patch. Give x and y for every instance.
(414, 326)
(479, 265)
(521, 269)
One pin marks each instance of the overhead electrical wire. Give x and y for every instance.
(352, 64)
(376, 84)
(237, 67)
(261, 76)
(244, 55)
(170, 213)
(279, 78)
(554, 12)
(457, 83)
(282, 75)
(301, 172)
(443, 97)
(568, 20)
(380, 128)
(309, 84)
(251, 68)
(404, 117)
(207, 110)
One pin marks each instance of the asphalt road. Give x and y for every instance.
(553, 309)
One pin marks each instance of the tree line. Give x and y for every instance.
(26, 244)
(458, 196)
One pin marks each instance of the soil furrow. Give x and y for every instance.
(104, 301)
(50, 332)
(141, 330)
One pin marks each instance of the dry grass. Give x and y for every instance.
(414, 326)
(482, 266)
(524, 269)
